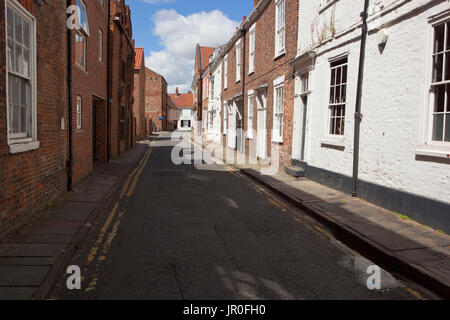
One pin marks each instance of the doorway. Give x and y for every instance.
(300, 117)
(261, 145)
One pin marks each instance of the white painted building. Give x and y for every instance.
(214, 126)
(404, 149)
(186, 119)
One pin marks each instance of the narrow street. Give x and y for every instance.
(205, 232)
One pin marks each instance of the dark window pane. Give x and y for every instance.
(344, 74)
(339, 75)
(332, 100)
(23, 119)
(448, 35)
(10, 23)
(338, 126)
(439, 38)
(344, 93)
(439, 98)
(342, 126)
(438, 64)
(447, 127)
(333, 77)
(438, 127)
(18, 28)
(447, 66)
(15, 120)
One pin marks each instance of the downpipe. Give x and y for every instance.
(358, 115)
(70, 105)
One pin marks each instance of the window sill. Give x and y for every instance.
(279, 55)
(334, 142)
(433, 151)
(237, 81)
(322, 8)
(279, 141)
(251, 72)
(23, 147)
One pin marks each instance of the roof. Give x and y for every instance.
(138, 58)
(182, 101)
(206, 52)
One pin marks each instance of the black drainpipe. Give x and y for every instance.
(108, 84)
(69, 84)
(358, 115)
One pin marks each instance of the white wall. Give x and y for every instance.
(394, 96)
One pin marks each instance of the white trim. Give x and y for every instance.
(20, 142)
(252, 39)
(280, 50)
(336, 141)
(238, 60)
(250, 97)
(278, 81)
(433, 151)
(275, 136)
(225, 72)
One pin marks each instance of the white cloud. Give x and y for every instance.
(179, 35)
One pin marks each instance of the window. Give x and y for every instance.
(440, 86)
(79, 112)
(225, 72)
(211, 87)
(278, 110)
(251, 62)
(338, 94)
(21, 72)
(122, 123)
(250, 115)
(82, 16)
(225, 116)
(280, 28)
(101, 3)
(238, 61)
(100, 45)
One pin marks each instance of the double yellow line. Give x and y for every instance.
(134, 176)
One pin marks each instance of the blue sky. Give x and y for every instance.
(169, 29)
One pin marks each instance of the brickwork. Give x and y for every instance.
(29, 180)
(156, 101)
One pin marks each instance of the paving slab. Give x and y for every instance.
(30, 250)
(27, 261)
(16, 293)
(40, 238)
(54, 230)
(73, 213)
(22, 276)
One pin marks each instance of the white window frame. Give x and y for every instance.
(211, 88)
(100, 45)
(280, 28)
(252, 49)
(428, 147)
(79, 112)
(332, 103)
(277, 127)
(250, 113)
(82, 10)
(225, 72)
(238, 60)
(27, 141)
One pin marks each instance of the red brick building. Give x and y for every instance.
(200, 83)
(258, 82)
(121, 80)
(33, 143)
(89, 87)
(156, 102)
(139, 92)
(185, 104)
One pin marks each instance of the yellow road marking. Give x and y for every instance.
(125, 186)
(136, 177)
(110, 217)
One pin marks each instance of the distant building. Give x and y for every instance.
(156, 102)
(139, 93)
(184, 103)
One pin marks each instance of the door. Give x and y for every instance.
(240, 136)
(261, 144)
(94, 131)
(232, 126)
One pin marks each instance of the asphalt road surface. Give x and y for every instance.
(206, 232)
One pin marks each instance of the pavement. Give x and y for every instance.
(33, 259)
(393, 241)
(208, 232)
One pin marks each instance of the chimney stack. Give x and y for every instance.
(176, 92)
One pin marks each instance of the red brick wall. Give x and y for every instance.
(87, 83)
(121, 92)
(156, 101)
(31, 179)
(267, 69)
(139, 101)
